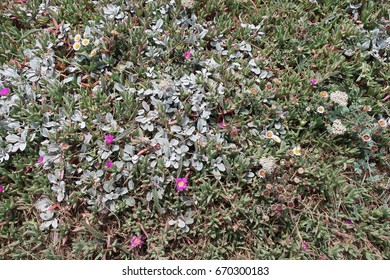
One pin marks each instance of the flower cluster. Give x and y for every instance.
(78, 41)
(189, 4)
(339, 97)
(268, 164)
(338, 128)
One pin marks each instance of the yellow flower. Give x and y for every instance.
(297, 151)
(321, 109)
(276, 139)
(76, 46)
(77, 38)
(323, 94)
(85, 42)
(253, 90)
(269, 134)
(114, 32)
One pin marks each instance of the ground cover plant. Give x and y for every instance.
(236, 129)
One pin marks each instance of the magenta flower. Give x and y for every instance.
(187, 55)
(181, 184)
(136, 241)
(313, 82)
(109, 163)
(305, 245)
(221, 124)
(4, 91)
(348, 222)
(109, 139)
(1, 188)
(40, 160)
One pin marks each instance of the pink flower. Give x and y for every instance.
(1, 188)
(181, 184)
(136, 241)
(109, 163)
(313, 82)
(109, 139)
(348, 222)
(221, 124)
(305, 245)
(40, 160)
(4, 91)
(187, 55)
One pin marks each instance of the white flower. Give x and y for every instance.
(76, 46)
(269, 134)
(297, 151)
(382, 123)
(324, 94)
(276, 139)
(339, 97)
(321, 109)
(93, 52)
(366, 137)
(77, 38)
(338, 128)
(85, 42)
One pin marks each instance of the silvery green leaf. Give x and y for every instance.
(130, 185)
(221, 167)
(54, 223)
(278, 125)
(189, 220)
(175, 128)
(9, 72)
(365, 45)
(46, 215)
(149, 196)
(105, 155)
(43, 204)
(181, 223)
(263, 74)
(87, 31)
(12, 138)
(355, 6)
(190, 131)
(45, 225)
(108, 186)
(130, 201)
(99, 173)
(35, 63)
(256, 70)
(68, 79)
(186, 229)
(159, 24)
(145, 106)
(171, 222)
(119, 87)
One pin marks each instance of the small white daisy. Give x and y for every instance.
(297, 151)
(321, 109)
(76, 46)
(85, 42)
(77, 38)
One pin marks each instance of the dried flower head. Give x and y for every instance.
(367, 108)
(339, 97)
(261, 173)
(338, 128)
(181, 184)
(136, 241)
(366, 137)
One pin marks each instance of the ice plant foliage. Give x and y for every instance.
(181, 184)
(136, 241)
